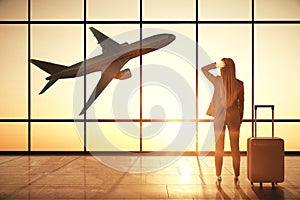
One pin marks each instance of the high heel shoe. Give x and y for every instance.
(236, 180)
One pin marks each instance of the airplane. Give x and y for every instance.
(114, 56)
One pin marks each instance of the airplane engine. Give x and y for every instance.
(124, 74)
(124, 44)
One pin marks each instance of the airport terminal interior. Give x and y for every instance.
(146, 133)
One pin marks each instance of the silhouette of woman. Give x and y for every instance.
(227, 108)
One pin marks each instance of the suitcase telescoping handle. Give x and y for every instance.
(255, 118)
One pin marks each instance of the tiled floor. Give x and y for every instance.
(84, 177)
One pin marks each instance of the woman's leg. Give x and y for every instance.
(234, 135)
(219, 148)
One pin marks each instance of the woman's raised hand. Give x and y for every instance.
(221, 64)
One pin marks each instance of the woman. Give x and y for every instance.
(227, 108)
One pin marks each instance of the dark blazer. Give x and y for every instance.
(218, 107)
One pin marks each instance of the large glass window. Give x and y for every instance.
(112, 10)
(227, 41)
(57, 10)
(169, 10)
(118, 92)
(13, 136)
(224, 10)
(147, 111)
(169, 136)
(13, 10)
(13, 76)
(113, 136)
(277, 10)
(53, 136)
(169, 77)
(63, 45)
(277, 68)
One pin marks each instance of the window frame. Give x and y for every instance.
(85, 23)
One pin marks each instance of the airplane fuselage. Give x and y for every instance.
(112, 63)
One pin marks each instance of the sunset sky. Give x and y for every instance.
(276, 62)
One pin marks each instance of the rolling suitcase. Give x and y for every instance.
(265, 155)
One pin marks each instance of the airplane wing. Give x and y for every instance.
(112, 70)
(101, 85)
(107, 44)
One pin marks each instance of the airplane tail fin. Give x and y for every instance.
(48, 85)
(50, 68)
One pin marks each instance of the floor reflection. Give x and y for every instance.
(84, 177)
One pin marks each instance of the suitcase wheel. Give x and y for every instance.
(274, 184)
